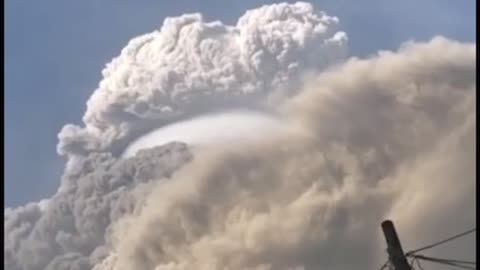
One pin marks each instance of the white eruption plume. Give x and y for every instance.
(191, 66)
(352, 144)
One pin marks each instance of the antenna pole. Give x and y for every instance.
(394, 248)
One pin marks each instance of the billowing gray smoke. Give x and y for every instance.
(96, 192)
(386, 137)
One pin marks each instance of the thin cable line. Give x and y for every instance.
(441, 242)
(418, 264)
(440, 261)
(384, 265)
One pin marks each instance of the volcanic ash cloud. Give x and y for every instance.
(191, 66)
(361, 140)
(187, 68)
(375, 132)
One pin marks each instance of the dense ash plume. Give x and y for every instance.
(365, 139)
(373, 131)
(191, 66)
(70, 233)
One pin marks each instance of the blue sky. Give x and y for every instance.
(55, 51)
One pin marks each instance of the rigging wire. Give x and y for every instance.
(440, 242)
(418, 264)
(440, 259)
(456, 263)
(384, 266)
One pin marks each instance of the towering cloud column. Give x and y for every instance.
(359, 140)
